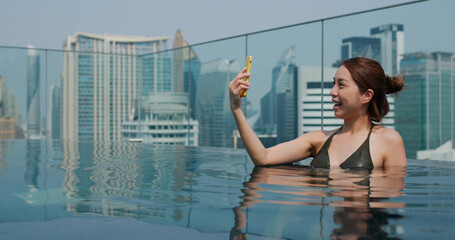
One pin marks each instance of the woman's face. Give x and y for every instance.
(346, 96)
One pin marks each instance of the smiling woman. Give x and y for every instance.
(359, 97)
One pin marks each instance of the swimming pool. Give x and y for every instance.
(88, 190)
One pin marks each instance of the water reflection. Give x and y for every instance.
(33, 157)
(360, 201)
(153, 183)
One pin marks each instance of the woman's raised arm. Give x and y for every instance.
(288, 152)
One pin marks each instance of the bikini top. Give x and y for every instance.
(361, 158)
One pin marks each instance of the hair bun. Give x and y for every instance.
(393, 84)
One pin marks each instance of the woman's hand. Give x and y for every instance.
(235, 88)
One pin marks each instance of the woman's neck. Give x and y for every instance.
(357, 125)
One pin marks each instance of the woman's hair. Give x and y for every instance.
(368, 74)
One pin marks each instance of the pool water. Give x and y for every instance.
(89, 190)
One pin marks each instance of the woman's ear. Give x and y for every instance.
(367, 96)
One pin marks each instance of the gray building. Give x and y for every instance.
(392, 46)
(368, 47)
(213, 112)
(54, 116)
(273, 107)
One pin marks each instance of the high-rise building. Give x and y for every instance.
(286, 116)
(284, 77)
(187, 67)
(33, 94)
(392, 46)
(367, 47)
(103, 76)
(8, 112)
(315, 106)
(213, 112)
(54, 120)
(425, 111)
(164, 120)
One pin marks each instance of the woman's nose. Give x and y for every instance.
(333, 91)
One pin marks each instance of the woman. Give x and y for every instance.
(359, 97)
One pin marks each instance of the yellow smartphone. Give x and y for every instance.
(248, 70)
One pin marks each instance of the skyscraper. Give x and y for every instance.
(284, 77)
(164, 120)
(33, 96)
(103, 77)
(187, 67)
(392, 46)
(54, 112)
(425, 112)
(213, 112)
(7, 111)
(368, 47)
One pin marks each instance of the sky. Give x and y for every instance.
(47, 23)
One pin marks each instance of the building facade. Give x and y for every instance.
(368, 47)
(186, 69)
(54, 115)
(164, 119)
(212, 108)
(273, 114)
(392, 46)
(103, 76)
(425, 112)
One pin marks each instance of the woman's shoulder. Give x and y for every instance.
(388, 135)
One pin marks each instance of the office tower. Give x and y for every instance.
(3, 91)
(425, 110)
(8, 111)
(33, 96)
(213, 112)
(368, 47)
(187, 67)
(284, 77)
(286, 115)
(54, 112)
(10, 105)
(315, 106)
(103, 77)
(164, 120)
(392, 46)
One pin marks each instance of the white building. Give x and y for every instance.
(103, 76)
(443, 152)
(392, 46)
(163, 119)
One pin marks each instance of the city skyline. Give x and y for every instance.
(162, 72)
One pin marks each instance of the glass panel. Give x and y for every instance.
(412, 40)
(53, 99)
(22, 85)
(284, 100)
(219, 62)
(164, 102)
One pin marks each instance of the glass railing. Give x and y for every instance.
(180, 96)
